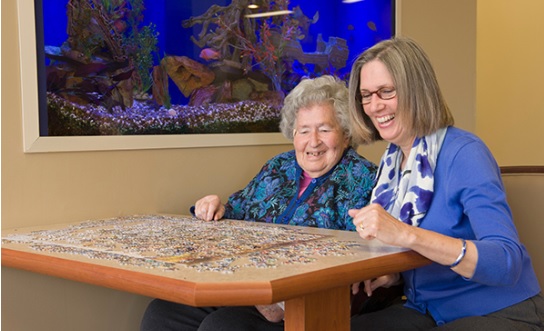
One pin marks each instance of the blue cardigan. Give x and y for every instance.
(469, 202)
(272, 195)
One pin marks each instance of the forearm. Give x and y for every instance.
(444, 250)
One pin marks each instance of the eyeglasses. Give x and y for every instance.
(384, 93)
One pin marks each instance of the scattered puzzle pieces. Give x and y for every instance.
(175, 242)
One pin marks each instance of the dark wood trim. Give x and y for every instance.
(526, 169)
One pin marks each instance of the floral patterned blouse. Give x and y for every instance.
(272, 195)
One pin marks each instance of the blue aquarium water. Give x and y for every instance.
(114, 67)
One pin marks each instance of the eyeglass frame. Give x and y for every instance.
(378, 92)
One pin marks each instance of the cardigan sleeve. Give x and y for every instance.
(476, 182)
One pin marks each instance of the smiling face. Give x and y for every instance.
(383, 113)
(318, 139)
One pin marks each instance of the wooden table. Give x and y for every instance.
(315, 287)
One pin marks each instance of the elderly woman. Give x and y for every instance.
(316, 184)
(439, 192)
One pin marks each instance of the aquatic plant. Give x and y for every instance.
(142, 44)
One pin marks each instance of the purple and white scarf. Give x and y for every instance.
(407, 194)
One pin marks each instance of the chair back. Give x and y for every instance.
(524, 187)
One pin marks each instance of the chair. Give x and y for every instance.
(524, 187)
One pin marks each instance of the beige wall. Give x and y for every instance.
(446, 30)
(510, 103)
(62, 187)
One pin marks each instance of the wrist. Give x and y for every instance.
(461, 255)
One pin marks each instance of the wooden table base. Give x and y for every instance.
(322, 311)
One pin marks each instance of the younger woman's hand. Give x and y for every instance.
(370, 285)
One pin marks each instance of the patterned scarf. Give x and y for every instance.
(407, 194)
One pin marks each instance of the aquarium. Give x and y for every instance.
(152, 67)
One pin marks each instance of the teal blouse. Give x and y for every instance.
(272, 195)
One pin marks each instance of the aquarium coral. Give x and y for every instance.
(250, 44)
(114, 74)
(107, 57)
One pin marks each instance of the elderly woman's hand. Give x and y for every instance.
(373, 221)
(209, 208)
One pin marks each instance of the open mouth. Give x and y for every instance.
(315, 153)
(385, 119)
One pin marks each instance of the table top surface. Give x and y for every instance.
(183, 259)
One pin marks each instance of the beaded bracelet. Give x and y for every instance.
(461, 255)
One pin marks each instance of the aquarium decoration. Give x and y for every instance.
(140, 67)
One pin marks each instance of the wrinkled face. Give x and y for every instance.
(383, 113)
(318, 139)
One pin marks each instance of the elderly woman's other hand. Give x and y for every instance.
(272, 313)
(209, 208)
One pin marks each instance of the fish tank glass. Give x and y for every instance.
(138, 67)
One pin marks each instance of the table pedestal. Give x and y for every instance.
(321, 311)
